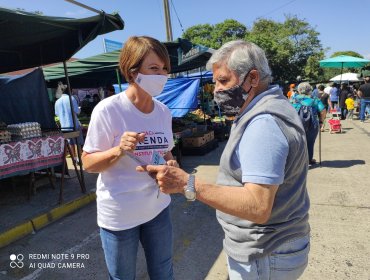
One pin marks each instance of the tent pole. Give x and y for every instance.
(203, 104)
(84, 6)
(119, 81)
(79, 151)
(69, 93)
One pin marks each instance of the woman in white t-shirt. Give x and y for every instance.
(126, 130)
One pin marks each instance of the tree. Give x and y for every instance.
(313, 71)
(214, 36)
(292, 47)
(199, 34)
(227, 31)
(289, 46)
(350, 53)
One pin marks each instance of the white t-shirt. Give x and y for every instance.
(127, 198)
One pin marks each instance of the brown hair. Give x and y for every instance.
(135, 50)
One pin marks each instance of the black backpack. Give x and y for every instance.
(306, 115)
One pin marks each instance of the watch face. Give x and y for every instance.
(190, 195)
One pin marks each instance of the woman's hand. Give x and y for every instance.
(129, 141)
(172, 162)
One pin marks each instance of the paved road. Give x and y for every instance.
(197, 244)
(339, 218)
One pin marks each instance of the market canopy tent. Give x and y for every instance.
(347, 77)
(100, 70)
(24, 98)
(29, 40)
(344, 61)
(94, 71)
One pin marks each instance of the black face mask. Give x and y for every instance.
(231, 100)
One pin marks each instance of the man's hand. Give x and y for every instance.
(170, 179)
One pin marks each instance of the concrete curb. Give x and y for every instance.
(38, 222)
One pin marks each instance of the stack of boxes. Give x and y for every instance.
(199, 138)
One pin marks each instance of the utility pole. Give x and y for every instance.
(168, 20)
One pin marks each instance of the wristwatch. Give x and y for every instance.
(190, 192)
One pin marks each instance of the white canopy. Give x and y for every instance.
(346, 77)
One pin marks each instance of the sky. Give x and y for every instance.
(343, 25)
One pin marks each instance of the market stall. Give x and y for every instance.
(30, 40)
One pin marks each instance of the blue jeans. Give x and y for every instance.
(287, 262)
(311, 135)
(120, 249)
(363, 104)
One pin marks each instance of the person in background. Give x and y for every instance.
(315, 92)
(342, 100)
(318, 116)
(334, 98)
(364, 93)
(96, 100)
(110, 91)
(262, 168)
(291, 91)
(125, 129)
(65, 114)
(324, 97)
(350, 103)
(86, 105)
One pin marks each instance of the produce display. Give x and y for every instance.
(25, 130)
(197, 116)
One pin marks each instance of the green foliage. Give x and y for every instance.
(292, 48)
(227, 31)
(350, 53)
(313, 71)
(214, 36)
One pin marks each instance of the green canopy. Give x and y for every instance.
(100, 70)
(29, 40)
(344, 61)
(95, 71)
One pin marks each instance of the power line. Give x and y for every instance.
(173, 6)
(278, 8)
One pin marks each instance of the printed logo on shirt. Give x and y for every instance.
(154, 141)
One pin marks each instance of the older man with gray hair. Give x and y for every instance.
(260, 196)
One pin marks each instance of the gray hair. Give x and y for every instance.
(304, 88)
(241, 57)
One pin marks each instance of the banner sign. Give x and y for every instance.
(110, 45)
(194, 52)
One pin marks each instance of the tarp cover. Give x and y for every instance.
(25, 98)
(179, 95)
(30, 40)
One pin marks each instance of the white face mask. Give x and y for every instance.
(152, 84)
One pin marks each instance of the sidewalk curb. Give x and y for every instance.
(40, 221)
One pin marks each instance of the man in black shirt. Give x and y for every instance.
(364, 94)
